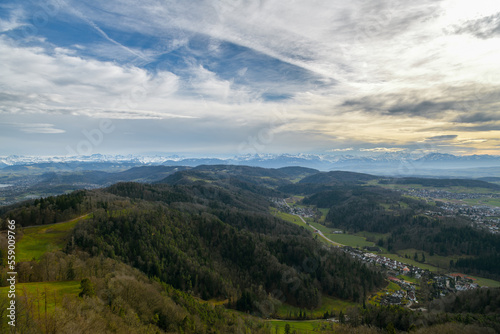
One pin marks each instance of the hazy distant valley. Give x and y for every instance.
(31, 177)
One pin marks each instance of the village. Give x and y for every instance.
(481, 216)
(408, 278)
(443, 194)
(282, 206)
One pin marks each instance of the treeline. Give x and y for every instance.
(481, 266)
(483, 301)
(48, 210)
(241, 195)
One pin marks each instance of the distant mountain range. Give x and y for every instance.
(396, 164)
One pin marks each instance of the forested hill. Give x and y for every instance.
(211, 240)
(253, 175)
(338, 177)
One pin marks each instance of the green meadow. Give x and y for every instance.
(288, 217)
(35, 293)
(350, 240)
(37, 240)
(307, 326)
(328, 304)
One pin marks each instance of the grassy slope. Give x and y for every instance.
(324, 213)
(297, 221)
(55, 293)
(350, 240)
(38, 240)
(486, 282)
(434, 260)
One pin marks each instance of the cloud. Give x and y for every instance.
(379, 74)
(485, 27)
(485, 127)
(400, 104)
(383, 149)
(428, 108)
(478, 117)
(40, 128)
(473, 141)
(442, 138)
(16, 17)
(341, 149)
(38, 82)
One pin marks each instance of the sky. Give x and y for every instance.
(236, 77)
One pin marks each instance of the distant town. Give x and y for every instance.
(439, 284)
(481, 216)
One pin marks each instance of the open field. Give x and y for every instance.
(438, 261)
(328, 304)
(308, 326)
(483, 201)
(55, 293)
(325, 230)
(297, 221)
(350, 240)
(294, 199)
(353, 240)
(37, 240)
(324, 212)
(373, 235)
(486, 282)
(408, 279)
(413, 262)
(344, 239)
(288, 217)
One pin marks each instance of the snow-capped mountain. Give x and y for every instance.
(387, 163)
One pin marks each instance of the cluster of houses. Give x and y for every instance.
(390, 264)
(482, 216)
(430, 194)
(294, 210)
(460, 282)
(406, 295)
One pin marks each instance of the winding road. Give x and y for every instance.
(315, 230)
